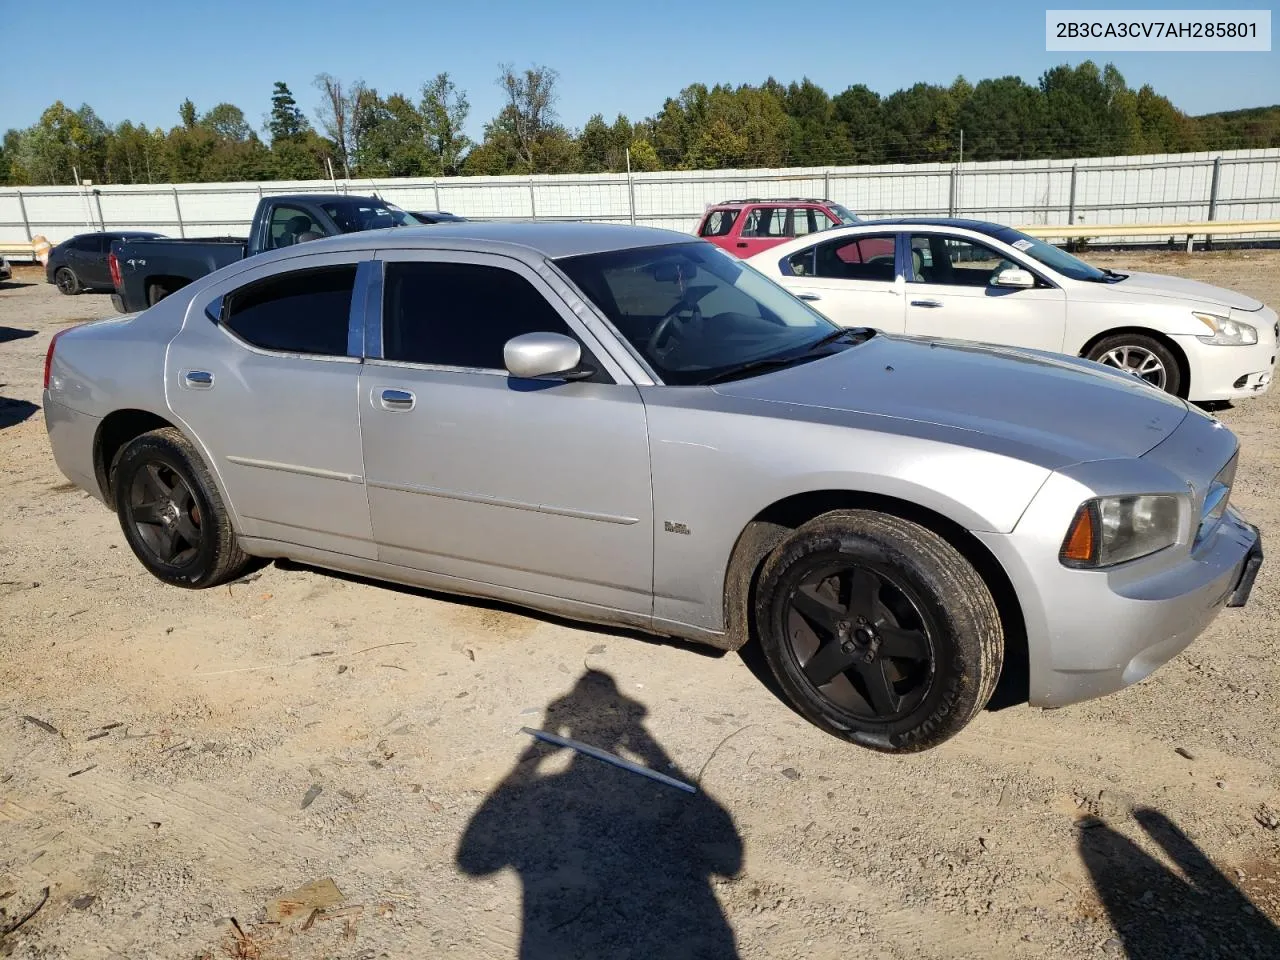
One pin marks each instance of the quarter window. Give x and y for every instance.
(289, 225)
(460, 314)
(305, 311)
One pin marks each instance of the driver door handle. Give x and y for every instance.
(397, 400)
(926, 303)
(808, 296)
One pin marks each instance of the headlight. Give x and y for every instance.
(1226, 332)
(1111, 530)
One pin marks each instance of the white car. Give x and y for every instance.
(972, 280)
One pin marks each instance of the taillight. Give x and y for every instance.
(48, 357)
(114, 266)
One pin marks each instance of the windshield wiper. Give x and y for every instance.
(768, 363)
(1113, 276)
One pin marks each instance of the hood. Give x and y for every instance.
(1178, 288)
(1068, 409)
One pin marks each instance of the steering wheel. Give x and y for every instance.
(667, 327)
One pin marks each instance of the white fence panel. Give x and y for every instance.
(1232, 185)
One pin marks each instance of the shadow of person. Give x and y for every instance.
(1160, 914)
(612, 864)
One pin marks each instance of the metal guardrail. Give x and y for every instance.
(1191, 229)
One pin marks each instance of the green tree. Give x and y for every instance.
(287, 121)
(594, 144)
(444, 109)
(920, 125)
(858, 114)
(644, 158)
(1003, 119)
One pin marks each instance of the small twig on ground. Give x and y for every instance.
(397, 643)
(82, 770)
(46, 727)
(44, 898)
(698, 778)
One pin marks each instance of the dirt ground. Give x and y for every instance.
(174, 762)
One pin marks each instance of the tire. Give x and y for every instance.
(172, 514)
(880, 584)
(1136, 352)
(66, 281)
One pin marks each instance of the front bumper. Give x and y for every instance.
(1233, 373)
(1252, 564)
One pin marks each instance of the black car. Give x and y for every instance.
(435, 216)
(80, 264)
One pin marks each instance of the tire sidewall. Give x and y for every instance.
(71, 288)
(1173, 371)
(949, 694)
(197, 571)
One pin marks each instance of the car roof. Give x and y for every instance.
(553, 240)
(958, 223)
(767, 200)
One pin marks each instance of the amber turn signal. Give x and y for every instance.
(1081, 545)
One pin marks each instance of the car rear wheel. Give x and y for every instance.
(66, 281)
(1143, 356)
(878, 630)
(171, 512)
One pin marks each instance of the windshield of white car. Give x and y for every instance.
(355, 216)
(695, 313)
(847, 216)
(1055, 258)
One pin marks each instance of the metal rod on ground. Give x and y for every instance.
(607, 757)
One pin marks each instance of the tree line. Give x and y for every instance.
(1077, 111)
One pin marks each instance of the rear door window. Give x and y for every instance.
(719, 223)
(868, 257)
(303, 311)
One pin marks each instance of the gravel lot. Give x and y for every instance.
(172, 762)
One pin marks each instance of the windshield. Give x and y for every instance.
(1051, 256)
(354, 216)
(846, 215)
(693, 311)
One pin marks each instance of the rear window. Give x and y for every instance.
(304, 311)
(719, 223)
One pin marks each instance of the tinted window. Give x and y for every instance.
(765, 222)
(460, 314)
(306, 311)
(848, 258)
(954, 262)
(354, 216)
(719, 223)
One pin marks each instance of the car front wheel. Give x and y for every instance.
(878, 630)
(1143, 356)
(171, 512)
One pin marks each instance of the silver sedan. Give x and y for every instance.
(630, 427)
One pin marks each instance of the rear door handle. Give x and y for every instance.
(742, 243)
(197, 379)
(397, 400)
(808, 296)
(926, 303)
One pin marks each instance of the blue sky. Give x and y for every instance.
(137, 62)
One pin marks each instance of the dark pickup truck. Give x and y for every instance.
(146, 271)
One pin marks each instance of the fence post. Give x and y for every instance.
(533, 207)
(97, 199)
(182, 227)
(1071, 197)
(26, 224)
(1213, 198)
(951, 203)
(826, 184)
(435, 191)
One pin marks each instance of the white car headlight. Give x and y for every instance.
(1226, 332)
(1111, 530)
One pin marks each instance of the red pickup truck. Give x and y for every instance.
(746, 227)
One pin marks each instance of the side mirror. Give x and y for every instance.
(531, 356)
(1014, 277)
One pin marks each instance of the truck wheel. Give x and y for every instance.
(171, 512)
(1144, 356)
(155, 293)
(878, 630)
(66, 281)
